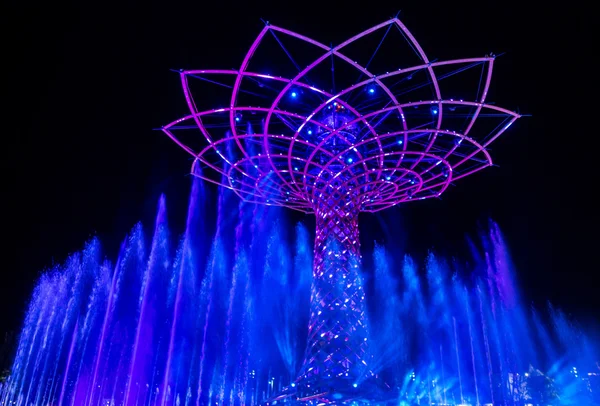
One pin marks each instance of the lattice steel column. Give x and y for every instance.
(338, 337)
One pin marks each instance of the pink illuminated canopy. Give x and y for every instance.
(331, 126)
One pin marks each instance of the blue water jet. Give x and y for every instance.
(222, 320)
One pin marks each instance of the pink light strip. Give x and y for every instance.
(279, 184)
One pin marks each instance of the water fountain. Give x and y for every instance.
(223, 319)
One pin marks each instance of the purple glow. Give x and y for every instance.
(346, 167)
(234, 331)
(227, 327)
(361, 130)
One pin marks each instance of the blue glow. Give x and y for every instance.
(309, 132)
(350, 160)
(388, 178)
(371, 90)
(294, 94)
(237, 118)
(434, 110)
(114, 326)
(400, 142)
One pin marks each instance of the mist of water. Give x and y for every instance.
(222, 319)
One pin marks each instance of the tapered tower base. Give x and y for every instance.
(336, 392)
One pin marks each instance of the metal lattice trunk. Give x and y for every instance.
(337, 336)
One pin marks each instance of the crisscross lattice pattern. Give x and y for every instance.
(338, 334)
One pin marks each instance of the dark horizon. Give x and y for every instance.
(88, 85)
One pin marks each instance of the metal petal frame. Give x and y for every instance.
(387, 168)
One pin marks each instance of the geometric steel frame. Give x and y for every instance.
(348, 166)
(294, 178)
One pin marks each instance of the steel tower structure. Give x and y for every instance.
(335, 131)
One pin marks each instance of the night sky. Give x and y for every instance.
(88, 83)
